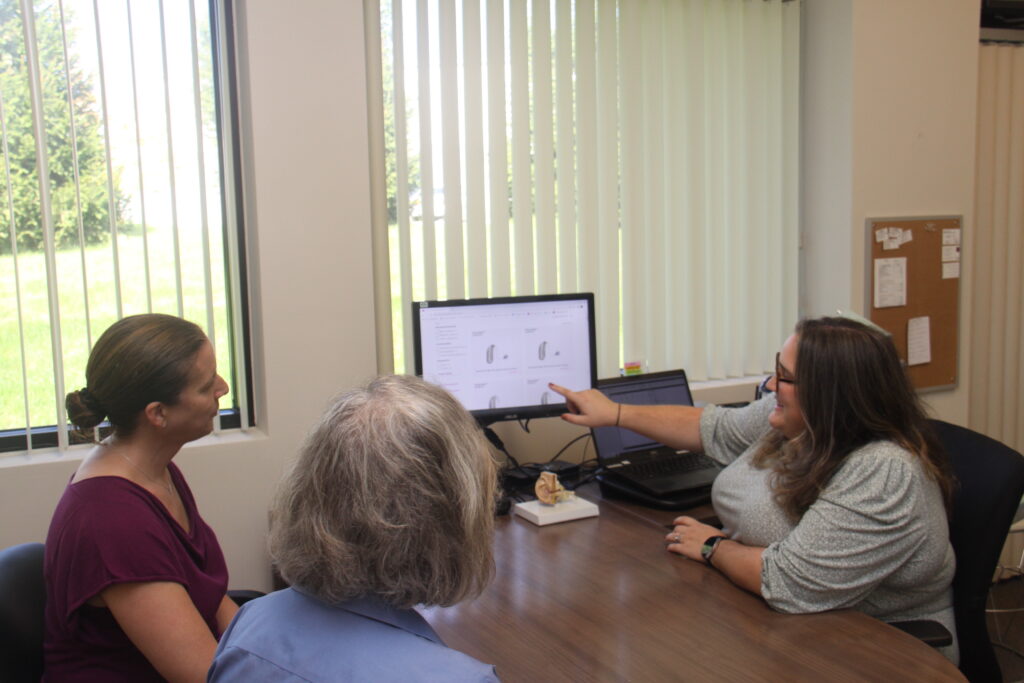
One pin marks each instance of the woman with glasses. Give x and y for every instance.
(835, 492)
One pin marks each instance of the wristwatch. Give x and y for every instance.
(708, 549)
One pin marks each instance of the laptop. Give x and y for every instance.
(637, 467)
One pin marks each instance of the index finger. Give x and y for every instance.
(560, 389)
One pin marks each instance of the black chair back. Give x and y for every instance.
(22, 600)
(990, 485)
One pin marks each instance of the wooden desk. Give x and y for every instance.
(602, 600)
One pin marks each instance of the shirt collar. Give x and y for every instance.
(374, 608)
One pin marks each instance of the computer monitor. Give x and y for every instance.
(498, 355)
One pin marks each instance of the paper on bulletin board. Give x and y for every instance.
(893, 237)
(890, 282)
(919, 341)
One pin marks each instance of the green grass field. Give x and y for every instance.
(76, 327)
(78, 330)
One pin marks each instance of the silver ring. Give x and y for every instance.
(675, 538)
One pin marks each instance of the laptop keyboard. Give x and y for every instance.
(666, 465)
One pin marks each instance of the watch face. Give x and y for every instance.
(709, 547)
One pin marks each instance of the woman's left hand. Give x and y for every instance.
(688, 536)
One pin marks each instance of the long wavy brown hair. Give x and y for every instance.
(852, 390)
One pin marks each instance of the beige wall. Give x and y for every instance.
(309, 217)
(889, 98)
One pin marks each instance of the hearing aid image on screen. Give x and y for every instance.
(498, 355)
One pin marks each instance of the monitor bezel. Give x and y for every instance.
(527, 412)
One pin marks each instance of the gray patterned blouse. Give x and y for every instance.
(876, 540)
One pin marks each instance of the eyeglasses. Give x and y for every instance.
(779, 379)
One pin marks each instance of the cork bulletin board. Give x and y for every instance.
(913, 276)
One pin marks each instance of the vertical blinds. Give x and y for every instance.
(115, 192)
(642, 150)
(997, 325)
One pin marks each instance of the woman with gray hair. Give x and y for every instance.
(389, 505)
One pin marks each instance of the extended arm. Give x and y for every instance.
(163, 623)
(675, 426)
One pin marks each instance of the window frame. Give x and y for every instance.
(223, 45)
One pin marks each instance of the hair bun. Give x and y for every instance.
(84, 411)
(90, 401)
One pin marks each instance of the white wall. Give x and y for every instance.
(309, 219)
(826, 155)
(889, 99)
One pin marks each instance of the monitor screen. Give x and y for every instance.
(498, 355)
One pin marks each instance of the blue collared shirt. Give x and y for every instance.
(291, 636)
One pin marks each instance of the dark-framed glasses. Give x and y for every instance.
(779, 378)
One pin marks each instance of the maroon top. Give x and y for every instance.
(109, 530)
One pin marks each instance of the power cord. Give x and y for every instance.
(592, 464)
(584, 461)
(517, 478)
(564, 448)
(586, 479)
(496, 441)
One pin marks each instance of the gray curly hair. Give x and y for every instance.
(392, 495)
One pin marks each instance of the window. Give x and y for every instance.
(644, 151)
(119, 193)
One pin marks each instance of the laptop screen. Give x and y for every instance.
(659, 388)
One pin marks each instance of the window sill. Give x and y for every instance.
(75, 453)
(718, 391)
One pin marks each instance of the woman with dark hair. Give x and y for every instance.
(835, 492)
(389, 505)
(136, 582)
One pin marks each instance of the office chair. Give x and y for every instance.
(990, 485)
(22, 598)
(22, 603)
(762, 390)
(990, 482)
(240, 596)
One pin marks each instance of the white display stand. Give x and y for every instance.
(566, 511)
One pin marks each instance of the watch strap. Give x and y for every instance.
(710, 546)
